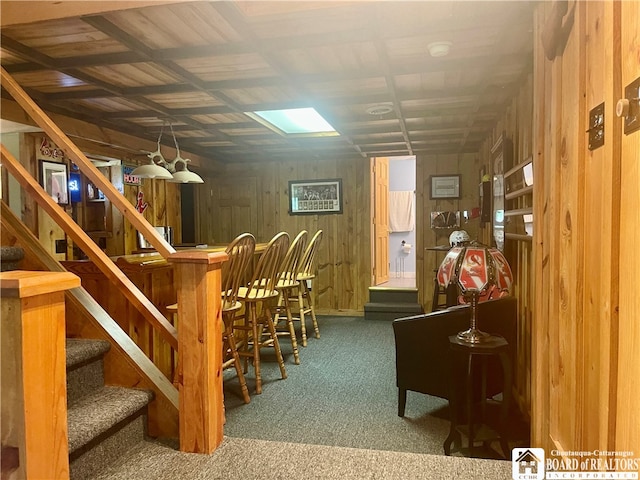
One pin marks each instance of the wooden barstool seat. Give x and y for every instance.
(257, 298)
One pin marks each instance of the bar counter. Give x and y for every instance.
(154, 277)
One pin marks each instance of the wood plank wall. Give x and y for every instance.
(163, 201)
(516, 125)
(468, 166)
(163, 208)
(254, 197)
(586, 350)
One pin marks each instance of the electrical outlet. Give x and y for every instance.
(61, 246)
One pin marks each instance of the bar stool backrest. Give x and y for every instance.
(265, 275)
(234, 270)
(307, 268)
(290, 266)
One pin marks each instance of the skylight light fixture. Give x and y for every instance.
(295, 122)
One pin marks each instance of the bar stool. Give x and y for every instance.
(287, 282)
(302, 293)
(240, 252)
(257, 298)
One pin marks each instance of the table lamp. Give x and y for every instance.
(482, 273)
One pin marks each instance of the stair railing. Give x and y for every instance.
(198, 282)
(84, 314)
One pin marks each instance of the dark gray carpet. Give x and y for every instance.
(342, 394)
(334, 418)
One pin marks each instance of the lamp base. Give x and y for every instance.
(473, 335)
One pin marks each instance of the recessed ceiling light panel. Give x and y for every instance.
(295, 121)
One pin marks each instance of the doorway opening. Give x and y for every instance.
(394, 222)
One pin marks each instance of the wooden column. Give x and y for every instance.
(198, 279)
(34, 391)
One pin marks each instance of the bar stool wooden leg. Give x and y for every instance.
(303, 323)
(236, 360)
(257, 335)
(276, 344)
(292, 331)
(313, 312)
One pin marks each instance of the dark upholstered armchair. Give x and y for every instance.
(422, 346)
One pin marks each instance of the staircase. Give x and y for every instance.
(103, 422)
(388, 303)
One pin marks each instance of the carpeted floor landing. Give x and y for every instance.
(246, 459)
(334, 417)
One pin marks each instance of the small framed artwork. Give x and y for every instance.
(315, 197)
(445, 219)
(445, 186)
(54, 179)
(93, 193)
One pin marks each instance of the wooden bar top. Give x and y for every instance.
(153, 259)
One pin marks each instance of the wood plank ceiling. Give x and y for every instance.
(201, 65)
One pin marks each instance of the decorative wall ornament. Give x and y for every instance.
(141, 205)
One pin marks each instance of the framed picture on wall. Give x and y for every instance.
(54, 179)
(445, 186)
(93, 193)
(445, 219)
(315, 197)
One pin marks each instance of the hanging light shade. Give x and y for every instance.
(154, 168)
(178, 167)
(481, 273)
(185, 175)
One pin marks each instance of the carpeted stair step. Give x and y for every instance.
(393, 295)
(103, 425)
(390, 311)
(85, 371)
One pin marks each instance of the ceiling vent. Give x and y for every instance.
(379, 109)
(439, 49)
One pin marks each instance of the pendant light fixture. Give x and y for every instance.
(175, 171)
(154, 169)
(181, 174)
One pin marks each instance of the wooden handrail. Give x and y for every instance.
(89, 169)
(129, 289)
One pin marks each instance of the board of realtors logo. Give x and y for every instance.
(527, 463)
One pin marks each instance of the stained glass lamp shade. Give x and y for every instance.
(481, 273)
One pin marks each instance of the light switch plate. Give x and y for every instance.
(596, 127)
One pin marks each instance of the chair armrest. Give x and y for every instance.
(422, 344)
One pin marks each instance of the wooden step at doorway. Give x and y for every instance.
(388, 303)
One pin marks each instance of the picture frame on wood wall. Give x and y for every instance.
(445, 187)
(93, 193)
(315, 197)
(54, 178)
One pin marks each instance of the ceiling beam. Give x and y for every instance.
(21, 12)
